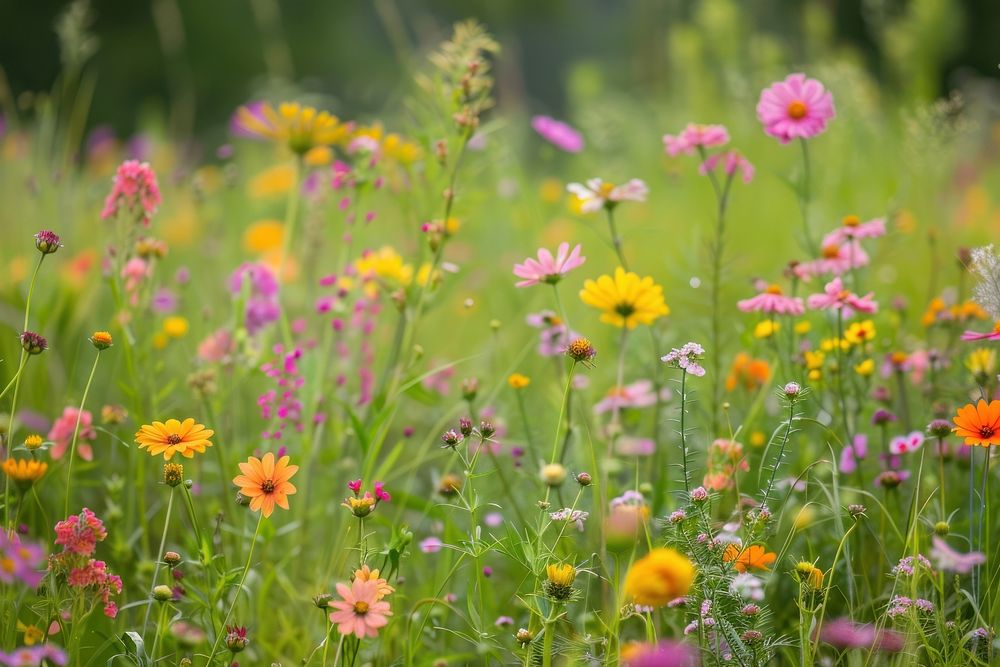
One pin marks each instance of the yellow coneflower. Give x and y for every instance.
(625, 299)
(559, 580)
(24, 472)
(299, 127)
(174, 437)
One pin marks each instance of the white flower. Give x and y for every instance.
(597, 194)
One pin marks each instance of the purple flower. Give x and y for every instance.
(22, 561)
(843, 633)
(262, 306)
(559, 134)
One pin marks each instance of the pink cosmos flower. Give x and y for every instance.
(853, 453)
(989, 335)
(639, 394)
(903, 444)
(695, 136)
(732, 161)
(950, 560)
(771, 300)
(361, 612)
(557, 133)
(853, 228)
(597, 194)
(21, 561)
(548, 269)
(554, 336)
(835, 297)
(61, 434)
(135, 189)
(796, 108)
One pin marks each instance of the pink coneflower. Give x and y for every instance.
(558, 133)
(837, 259)
(61, 434)
(903, 444)
(732, 162)
(772, 300)
(597, 194)
(361, 612)
(835, 297)
(639, 394)
(989, 335)
(796, 108)
(853, 228)
(950, 560)
(548, 269)
(135, 189)
(695, 136)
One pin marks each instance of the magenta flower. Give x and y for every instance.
(903, 444)
(853, 453)
(989, 335)
(548, 269)
(771, 300)
(135, 189)
(597, 194)
(853, 228)
(431, 545)
(262, 306)
(559, 134)
(950, 560)
(61, 434)
(666, 653)
(21, 561)
(693, 137)
(796, 108)
(732, 162)
(835, 297)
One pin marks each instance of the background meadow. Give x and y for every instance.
(338, 306)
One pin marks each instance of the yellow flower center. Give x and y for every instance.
(831, 251)
(773, 289)
(624, 309)
(605, 190)
(852, 221)
(797, 110)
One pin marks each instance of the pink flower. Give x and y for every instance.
(380, 493)
(134, 187)
(21, 561)
(554, 336)
(732, 162)
(950, 560)
(557, 133)
(80, 533)
(597, 194)
(903, 444)
(355, 486)
(844, 633)
(796, 108)
(629, 446)
(853, 228)
(548, 269)
(852, 453)
(361, 612)
(837, 259)
(639, 394)
(61, 434)
(695, 136)
(771, 300)
(431, 545)
(217, 346)
(989, 335)
(835, 297)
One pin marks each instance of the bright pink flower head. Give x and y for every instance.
(80, 533)
(61, 434)
(796, 108)
(910, 442)
(135, 189)
(354, 486)
(559, 134)
(835, 297)
(548, 269)
(946, 558)
(732, 162)
(361, 612)
(695, 136)
(844, 633)
(771, 300)
(380, 493)
(854, 228)
(989, 335)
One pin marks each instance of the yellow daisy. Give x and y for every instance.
(626, 299)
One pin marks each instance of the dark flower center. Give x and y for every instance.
(173, 439)
(624, 309)
(267, 486)
(986, 431)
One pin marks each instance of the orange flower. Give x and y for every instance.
(755, 556)
(979, 424)
(747, 372)
(266, 483)
(368, 574)
(173, 437)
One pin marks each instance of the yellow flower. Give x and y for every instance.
(804, 517)
(175, 326)
(272, 182)
(382, 586)
(766, 329)
(803, 327)
(32, 633)
(263, 236)
(33, 441)
(23, 471)
(830, 344)
(101, 340)
(384, 264)
(809, 575)
(160, 341)
(865, 368)
(860, 332)
(815, 375)
(558, 584)
(401, 150)
(627, 300)
(299, 127)
(518, 381)
(981, 361)
(660, 576)
(174, 437)
(758, 438)
(318, 156)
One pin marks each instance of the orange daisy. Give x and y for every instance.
(755, 556)
(174, 437)
(979, 424)
(265, 482)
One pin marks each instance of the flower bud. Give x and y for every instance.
(162, 593)
(487, 429)
(322, 600)
(942, 528)
(554, 474)
(584, 479)
(236, 638)
(101, 340)
(524, 636)
(172, 558)
(173, 474)
(465, 426)
(33, 343)
(47, 242)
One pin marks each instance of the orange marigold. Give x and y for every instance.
(979, 424)
(754, 556)
(265, 482)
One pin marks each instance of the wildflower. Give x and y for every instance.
(686, 358)
(664, 653)
(694, 137)
(865, 368)
(981, 362)
(748, 587)
(771, 300)
(860, 332)
(261, 306)
(639, 394)
(796, 108)
(699, 494)
(450, 485)
(659, 577)
(431, 545)
(553, 474)
(852, 453)
(524, 636)
(986, 264)
(747, 372)
(881, 417)
(581, 351)
(61, 433)
(548, 269)
(626, 299)
(174, 437)
(597, 194)
(856, 510)
(939, 428)
(134, 188)
(908, 565)
(365, 573)
(835, 297)
(79, 534)
(809, 575)
(559, 579)
(979, 424)
(32, 633)
(451, 439)
(101, 340)
(843, 633)
(906, 443)
(236, 638)
(949, 560)
(731, 161)
(266, 482)
(361, 611)
(518, 381)
(977, 336)
(766, 329)
(47, 242)
(172, 558)
(175, 326)
(20, 561)
(725, 459)
(557, 133)
(24, 472)
(299, 127)
(33, 442)
(33, 343)
(173, 474)
(162, 593)
(853, 228)
(754, 556)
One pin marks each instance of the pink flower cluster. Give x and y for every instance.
(262, 307)
(135, 189)
(554, 335)
(78, 535)
(61, 434)
(283, 404)
(33, 656)
(21, 561)
(697, 138)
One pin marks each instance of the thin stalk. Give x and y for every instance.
(616, 240)
(684, 451)
(76, 434)
(159, 554)
(246, 568)
(562, 413)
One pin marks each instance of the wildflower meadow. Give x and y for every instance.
(702, 371)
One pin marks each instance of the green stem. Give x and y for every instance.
(804, 197)
(562, 413)
(159, 555)
(246, 568)
(615, 238)
(76, 434)
(684, 451)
